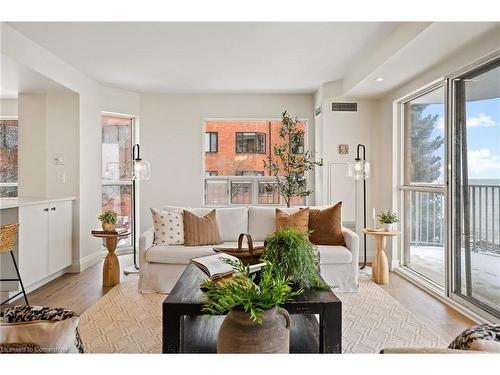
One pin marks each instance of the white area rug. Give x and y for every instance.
(126, 321)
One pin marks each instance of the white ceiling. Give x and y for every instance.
(16, 78)
(210, 57)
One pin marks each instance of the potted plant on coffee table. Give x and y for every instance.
(108, 220)
(254, 322)
(294, 256)
(388, 219)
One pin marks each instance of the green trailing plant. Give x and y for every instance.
(293, 256)
(388, 217)
(244, 294)
(108, 217)
(290, 163)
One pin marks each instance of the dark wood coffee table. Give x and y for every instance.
(185, 330)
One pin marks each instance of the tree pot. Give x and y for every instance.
(240, 334)
(108, 227)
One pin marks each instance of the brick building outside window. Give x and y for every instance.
(242, 146)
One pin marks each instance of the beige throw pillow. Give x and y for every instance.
(201, 230)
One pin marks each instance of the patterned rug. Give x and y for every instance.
(126, 321)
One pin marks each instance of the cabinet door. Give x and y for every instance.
(60, 219)
(33, 243)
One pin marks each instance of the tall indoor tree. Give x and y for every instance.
(290, 162)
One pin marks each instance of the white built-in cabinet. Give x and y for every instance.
(44, 240)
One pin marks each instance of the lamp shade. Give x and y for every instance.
(359, 170)
(142, 170)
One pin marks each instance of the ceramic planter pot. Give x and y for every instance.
(108, 227)
(240, 334)
(388, 227)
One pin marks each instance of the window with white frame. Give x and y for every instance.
(117, 141)
(423, 183)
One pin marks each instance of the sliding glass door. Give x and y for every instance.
(476, 188)
(423, 185)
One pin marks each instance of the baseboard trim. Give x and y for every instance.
(86, 262)
(35, 286)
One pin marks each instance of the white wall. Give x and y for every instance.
(385, 140)
(32, 145)
(8, 107)
(172, 139)
(62, 115)
(347, 128)
(93, 99)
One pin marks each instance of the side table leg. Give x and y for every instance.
(171, 335)
(111, 268)
(381, 268)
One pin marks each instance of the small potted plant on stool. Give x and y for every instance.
(388, 219)
(108, 220)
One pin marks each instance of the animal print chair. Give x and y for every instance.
(35, 329)
(484, 338)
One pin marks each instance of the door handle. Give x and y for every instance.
(46, 209)
(53, 209)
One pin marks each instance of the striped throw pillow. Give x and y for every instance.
(201, 230)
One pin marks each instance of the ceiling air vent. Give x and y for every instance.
(344, 107)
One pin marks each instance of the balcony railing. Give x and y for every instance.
(223, 191)
(427, 218)
(485, 218)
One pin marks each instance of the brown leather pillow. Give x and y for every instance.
(201, 230)
(298, 220)
(326, 226)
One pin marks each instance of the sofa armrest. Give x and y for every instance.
(145, 242)
(351, 240)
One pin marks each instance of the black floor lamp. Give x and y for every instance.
(360, 170)
(142, 171)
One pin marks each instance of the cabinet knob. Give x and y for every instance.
(53, 209)
(46, 209)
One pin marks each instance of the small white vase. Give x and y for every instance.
(388, 227)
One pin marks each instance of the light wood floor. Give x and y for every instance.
(80, 291)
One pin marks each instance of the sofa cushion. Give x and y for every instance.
(262, 221)
(334, 254)
(298, 220)
(176, 254)
(232, 222)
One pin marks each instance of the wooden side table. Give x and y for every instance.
(380, 266)
(111, 268)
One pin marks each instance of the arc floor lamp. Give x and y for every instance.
(360, 170)
(142, 171)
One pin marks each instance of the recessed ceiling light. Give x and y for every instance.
(379, 79)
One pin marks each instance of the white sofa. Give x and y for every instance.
(161, 266)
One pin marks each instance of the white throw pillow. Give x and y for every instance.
(169, 227)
